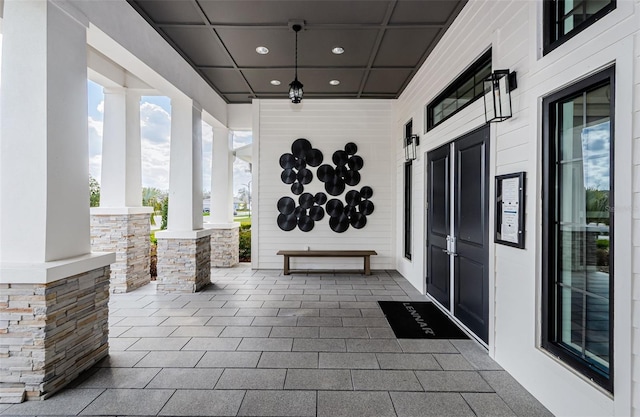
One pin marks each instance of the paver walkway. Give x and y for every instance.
(257, 343)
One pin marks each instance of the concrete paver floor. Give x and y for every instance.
(257, 343)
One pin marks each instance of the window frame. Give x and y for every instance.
(549, 268)
(407, 200)
(550, 8)
(461, 80)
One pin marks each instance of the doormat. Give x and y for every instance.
(419, 320)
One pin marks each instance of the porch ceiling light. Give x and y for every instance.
(497, 95)
(410, 147)
(295, 88)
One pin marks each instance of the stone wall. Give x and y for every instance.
(49, 333)
(224, 247)
(128, 236)
(184, 265)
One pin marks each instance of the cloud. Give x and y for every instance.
(155, 123)
(242, 138)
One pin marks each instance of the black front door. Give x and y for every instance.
(458, 237)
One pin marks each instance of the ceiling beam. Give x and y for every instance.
(319, 26)
(309, 67)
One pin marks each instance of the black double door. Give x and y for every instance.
(457, 229)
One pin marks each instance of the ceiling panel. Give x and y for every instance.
(200, 45)
(312, 11)
(404, 47)
(384, 42)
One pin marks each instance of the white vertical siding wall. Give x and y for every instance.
(328, 125)
(514, 31)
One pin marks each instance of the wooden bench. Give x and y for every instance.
(366, 254)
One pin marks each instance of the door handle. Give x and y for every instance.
(448, 252)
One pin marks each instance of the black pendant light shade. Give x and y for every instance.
(295, 88)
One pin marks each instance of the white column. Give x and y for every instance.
(185, 169)
(221, 178)
(121, 184)
(44, 170)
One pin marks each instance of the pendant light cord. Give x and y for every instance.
(296, 55)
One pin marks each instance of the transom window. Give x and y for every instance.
(566, 18)
(578, 226)
(466, 89)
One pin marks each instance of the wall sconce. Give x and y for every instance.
(497, 95)
(410, 145)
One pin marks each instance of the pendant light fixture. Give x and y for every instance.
(295, 88)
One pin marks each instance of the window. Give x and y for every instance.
(466, 89)
(578, 226)
(408, 172)
(563, 19)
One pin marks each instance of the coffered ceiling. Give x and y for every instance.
(384, 42)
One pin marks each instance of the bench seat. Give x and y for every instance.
(366, 254)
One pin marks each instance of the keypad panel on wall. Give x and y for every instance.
(297, 171)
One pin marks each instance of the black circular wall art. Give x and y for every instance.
(297, 170)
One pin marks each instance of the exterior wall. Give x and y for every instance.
(184, 265)
(51, 333)
(514, 31)
(128, 237)
(328, 125)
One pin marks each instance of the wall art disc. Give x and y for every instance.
(352, 178)
(335, 187)
(352, 198)
(300, 147)
(297, 188)
(287, 222)
(300, 164)
(358, 220)
(286, 205)
(366, 192)
(325, 173)
(288, 176)
(356, 163)
(320, 198)
(341, 171)
(287, 161)
(305, 223)
(316, 213)
(349, 211)
(306, 200)
(299, 212)
(366, 207)
(314, 157)
(351, 148)
(304, 176)
(335, 208)
(340, 158)
(339, 224)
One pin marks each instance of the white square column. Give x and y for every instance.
(49, 279)
(184, 249)
(121, 224)
(225, 238)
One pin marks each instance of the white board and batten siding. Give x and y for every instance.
(513, 29)
(328, 125)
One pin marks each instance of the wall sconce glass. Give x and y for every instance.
(410, 145)
(497, 95)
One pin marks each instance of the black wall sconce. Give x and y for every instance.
(410, 145)
(497, 95)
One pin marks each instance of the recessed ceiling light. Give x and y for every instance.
(262, 50)
(338, 50)
(334, 82)
(275, 82)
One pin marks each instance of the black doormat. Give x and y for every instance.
(419, 320)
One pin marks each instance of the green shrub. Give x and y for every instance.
(245, 244)
(165, 212)
(603, 243)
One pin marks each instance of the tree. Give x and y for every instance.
(94, 192)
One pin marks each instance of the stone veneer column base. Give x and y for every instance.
(184, 263)
(51, 332)
(126, 232)
(225, 241)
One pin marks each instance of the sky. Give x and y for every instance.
(155, 131)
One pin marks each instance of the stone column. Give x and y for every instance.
(53, 298)
(184, 249)
(121, 224)
(225, 236)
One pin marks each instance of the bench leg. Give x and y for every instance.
(286, 265)
(367, 265)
